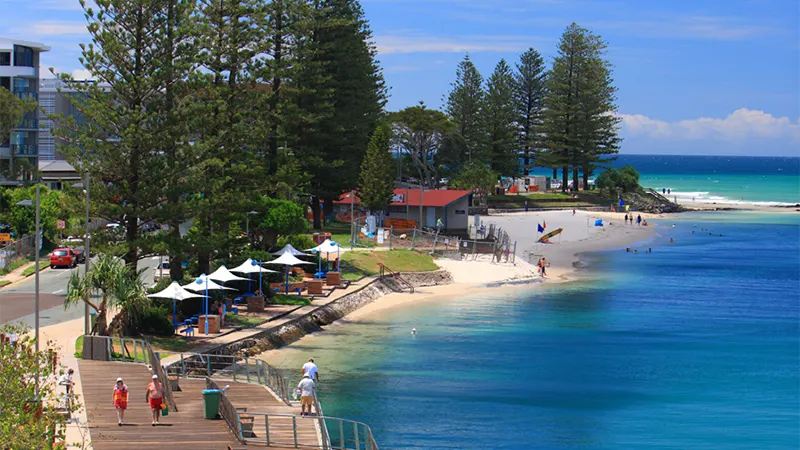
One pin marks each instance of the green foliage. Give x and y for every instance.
(287, 299)
(301, 242)
(154, 320)
(465, 105)
(278, 218)
(529, 92)
(366, 263)
(629, 178)
(421, 133)
(500, 121)
(477, 178)
(22, 425)
(580, 124)
(32, 269)
(14, 265)
(12, 111)
(23, 218)
(613, 182)
(377, 171)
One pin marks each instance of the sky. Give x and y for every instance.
(693, 77)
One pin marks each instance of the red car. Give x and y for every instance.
(63, 257)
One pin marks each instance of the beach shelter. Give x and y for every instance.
(288, 260)
(203, 283)
(175, 292)
(223, 275)
(289, 248)
(252, 266)
(326, 247)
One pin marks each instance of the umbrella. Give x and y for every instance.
(290, 250)
(204, 283)
(287, 260)
(252, 266)
(175, 292)
(223, 275)
(328, 247)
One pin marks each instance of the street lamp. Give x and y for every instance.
(247, 229)
(36, 278)
(87, 255)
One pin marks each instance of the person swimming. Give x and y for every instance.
(414, 331)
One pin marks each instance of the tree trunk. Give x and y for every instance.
(565, 174)
(585, 177)
(317, 213)
(526, 170)
(131, 234)
(555, 173)
(204, 262)
(575, 178)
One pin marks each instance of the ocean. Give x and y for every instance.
(724, 180)
(694, 345)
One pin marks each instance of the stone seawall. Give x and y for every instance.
(313, 321)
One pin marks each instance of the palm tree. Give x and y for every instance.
(117, 284)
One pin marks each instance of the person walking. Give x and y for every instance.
(311, 369)
(626, 219)
(544, 266)
(120, 400)
(639, 219)
(307, 390)
(154, 396)
(66, 381)
(439, 225)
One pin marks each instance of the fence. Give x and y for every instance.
(237, 368)
(228, 412)
(419, 239)
(21, 248)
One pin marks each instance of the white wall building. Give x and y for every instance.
(19, 73)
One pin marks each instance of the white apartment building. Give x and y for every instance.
(19, 73)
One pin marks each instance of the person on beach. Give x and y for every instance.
(307, 388)
(66, 381)
(154, 396)
(543, 262)
(120, 400)
(638, 220)
(626, 219)
(311, 369)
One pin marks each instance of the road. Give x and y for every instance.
(16, 300)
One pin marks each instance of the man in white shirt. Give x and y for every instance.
(306, 388)
(311, 370)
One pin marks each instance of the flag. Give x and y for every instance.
(541, 228)
(621, 203)
(544, 225)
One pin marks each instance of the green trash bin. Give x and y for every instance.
(211, 403)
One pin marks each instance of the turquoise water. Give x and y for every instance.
(724, 180)
(692, 346)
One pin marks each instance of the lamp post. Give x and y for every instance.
(36, 280)
(247, 226)
(87, 255)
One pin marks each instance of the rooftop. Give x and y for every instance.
(8, 44)
(402, 196)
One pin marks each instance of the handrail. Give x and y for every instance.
(351, 435)
(240, 368)
(228, 412)
(326, 439)
(395, 275)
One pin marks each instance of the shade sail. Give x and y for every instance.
(328, 246)
(251, 266)
(288, 260)
(203, 283)
(223, 275)
(289, 248)
(175, 292)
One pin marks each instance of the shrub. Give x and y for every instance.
(154, 320)
(298, 241)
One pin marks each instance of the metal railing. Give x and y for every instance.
(237, 368)
(347, 434)
(228, 412)
(394, 275)
(155, 362)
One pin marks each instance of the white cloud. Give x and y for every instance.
(420, 43)
(56, 28)
(741, 125)
(82, 74)
(60, 4)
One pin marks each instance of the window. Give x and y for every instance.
(5, 58)
(23, 56)
(60, 253)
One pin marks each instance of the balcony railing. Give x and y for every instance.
(25, 149)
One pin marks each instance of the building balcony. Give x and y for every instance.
(17, 71)
(25, 149)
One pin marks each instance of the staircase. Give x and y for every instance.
(387, 274)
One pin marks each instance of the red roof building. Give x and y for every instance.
(449, 206)
(430, 198)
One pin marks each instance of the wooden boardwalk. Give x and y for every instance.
(184, 429)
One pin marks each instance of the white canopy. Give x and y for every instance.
(249, 267)
(289, 248)
(175, 292)
(288, 260)
(328, 246)
(223, 275)
(203, 283)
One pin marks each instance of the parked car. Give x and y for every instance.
(63, 257)
(163, 271)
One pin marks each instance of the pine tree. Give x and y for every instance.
(465, 104)
(134, 121)
(377, 171)
(500, 120)
(529, 92)
(579, 118)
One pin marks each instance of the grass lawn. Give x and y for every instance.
(4, 283)
(14, 265)
(171, 344)
(30, 270)
(284, 299)
(356, 264)
(242, 321)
